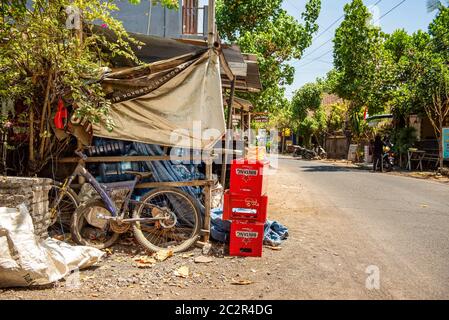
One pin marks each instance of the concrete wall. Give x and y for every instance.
(33, 192)
(336, 147)
(163, 22)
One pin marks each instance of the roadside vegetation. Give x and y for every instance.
(376, 72)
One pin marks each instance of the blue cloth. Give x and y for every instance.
(274, 232)
(219, 228)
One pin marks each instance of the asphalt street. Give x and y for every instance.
(404, 221)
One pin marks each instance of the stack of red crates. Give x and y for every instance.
(245, 205)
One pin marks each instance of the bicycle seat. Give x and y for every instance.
(142, 175)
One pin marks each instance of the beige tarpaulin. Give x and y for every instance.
(177, 106)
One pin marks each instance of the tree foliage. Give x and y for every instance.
(399, 72)
(360, 61)
(306, 99)
(49, 52)
(262, 27)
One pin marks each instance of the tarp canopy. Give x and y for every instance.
(176, 102)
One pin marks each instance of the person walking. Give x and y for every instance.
(377, 153)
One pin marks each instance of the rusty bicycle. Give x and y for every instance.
(163, 218)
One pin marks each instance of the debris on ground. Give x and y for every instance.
(145, 261)
(182, 272)
(203, 259)
(207, 249)
(241, 282)
(163, 255)
(274, 248)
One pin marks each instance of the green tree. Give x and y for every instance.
(422, 79)
(49, 52)
(305, 99)
(306, 111)
(262, 27)
(433, 5)
(358, 58)
(432, 88)
(335, 117)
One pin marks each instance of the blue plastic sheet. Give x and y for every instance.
(162, 171)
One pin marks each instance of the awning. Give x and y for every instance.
(380, 117)
(153, 49)
(176, 102)
(240, 104)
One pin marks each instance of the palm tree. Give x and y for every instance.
(433, 5)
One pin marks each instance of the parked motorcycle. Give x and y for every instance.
(320, 152)
(388, 156)
(304, 153)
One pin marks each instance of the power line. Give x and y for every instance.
(384, 15)
(327, 29)
(391, 10)
(318, 58)
(316, 49)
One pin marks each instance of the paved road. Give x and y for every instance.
(401, 224)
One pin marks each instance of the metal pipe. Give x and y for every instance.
(149, 18)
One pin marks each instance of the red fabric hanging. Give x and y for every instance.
(61, 115)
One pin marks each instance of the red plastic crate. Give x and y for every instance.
(243, 207)
(246, 239)
(248, 177)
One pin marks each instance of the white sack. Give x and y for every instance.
(26, 260)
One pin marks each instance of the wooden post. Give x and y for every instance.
(282, 141)
(211, 24)
(207, 201)
(227, 136)
(31, 138)
(249, 129)
(242, 122)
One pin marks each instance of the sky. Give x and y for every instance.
(411, 15)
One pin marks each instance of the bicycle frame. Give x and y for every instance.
(80, 170)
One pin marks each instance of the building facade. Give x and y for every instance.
(189, 21)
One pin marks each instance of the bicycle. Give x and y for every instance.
(164, 218)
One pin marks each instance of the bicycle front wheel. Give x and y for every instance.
(180, 223)
(68, 202)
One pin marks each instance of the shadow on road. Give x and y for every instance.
(325, 168)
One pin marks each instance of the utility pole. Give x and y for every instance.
(211, 23)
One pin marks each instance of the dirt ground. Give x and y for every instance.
(322, 259)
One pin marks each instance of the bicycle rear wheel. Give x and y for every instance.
(87, 230)
(178, 231)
